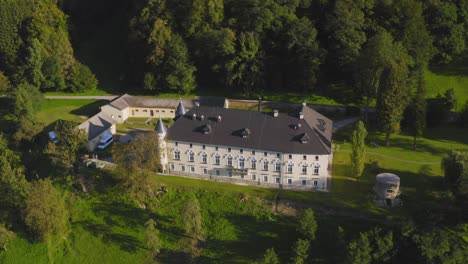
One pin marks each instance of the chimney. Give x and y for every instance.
(219, 118)
(202, 118)
(259, 104)
(197, 104)
(275, 113)
(194, 116)
(301, 115)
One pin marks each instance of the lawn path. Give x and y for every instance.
(394, 158)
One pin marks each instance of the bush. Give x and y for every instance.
(82, 79)
(463, 119)
(375, 166)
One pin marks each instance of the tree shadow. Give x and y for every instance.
(89, 109)
(125, 242)
(453, 69)
(448, 134)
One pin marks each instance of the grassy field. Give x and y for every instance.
(69, 109)
(439, 79)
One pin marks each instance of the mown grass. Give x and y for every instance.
(442, 78)
(68, 109)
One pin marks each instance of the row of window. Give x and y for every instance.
(241, 151)
(253, 177)
(241, 163)
(156, 111)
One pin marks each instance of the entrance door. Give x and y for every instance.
(152, 112)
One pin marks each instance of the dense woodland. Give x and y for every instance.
(367, 52)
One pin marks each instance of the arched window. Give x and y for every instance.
(241, 163)
(217, 159)
(278, 165)
(265, 165)
(316, 169)
(253, 164)
(204, 158)
(290, 168)
(304, 169)
(177, 155)
(229, 161)
(191, 157)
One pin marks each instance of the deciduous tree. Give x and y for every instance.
(153, 241)
(269, 257)
(192, 219)
(301, 251)
(307, 224)
(5, 237)
(46, 214)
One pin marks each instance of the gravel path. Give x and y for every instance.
(394, 158)
(345, 122)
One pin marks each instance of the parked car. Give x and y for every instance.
(53, 137)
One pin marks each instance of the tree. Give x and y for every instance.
(82, 79)
(178, 70)
(4, 83)
(13, 184)
(45, 214)
(27, 101)
(415, 116)
(54, 77)
(358, 149)
(451, 99)
(70, 144)
(26, 130)
(269, 257)
(392, 98)
(301, 249)
(455, 172)
(359, 251)
(308, 224)
(192, 219)
(5, 237)
(153, 242)
(158, 40)
(464, 115)
(346, 26)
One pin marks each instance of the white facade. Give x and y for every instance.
(267, 168)
(92, 144)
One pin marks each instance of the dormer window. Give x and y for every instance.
(207, 129)
(245, 133)
(304, 138)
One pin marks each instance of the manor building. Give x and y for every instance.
(286, 150)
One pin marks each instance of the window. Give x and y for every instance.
(265, 154)
(216, 148)
(253, 152)
(217, 159)
(217, 172)
(191, 157)
(254, 177)
(315, 183)
(290, 168)
(304, 182)
(277, 180)
(192, 169)
(304, 169)
(145, 111)
(229, 149)
(265, 178)
(265, 165)
(316, 158)
(137, 110)
(183, 168)
(229, 173)
(241, 151)
(157, 111)
(172, 166)
(316, 169)
(203, 147)
(277, 155)
(172, 111)
(164, 111)
(177, 155)
(278, 166)
(205, 171)
(229, 161)
(241, 163)
(253, 164)
(304, 157)
(191, 145)
(290, 156)
(242, 176)
(204, 158)
(120, 116)
(176, 143)
(289, 181)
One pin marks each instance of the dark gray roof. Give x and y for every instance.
(97, 124)
(160, 127)
(264, 132)
(126, 100)
(180, 109)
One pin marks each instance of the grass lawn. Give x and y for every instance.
(68, 109)
(439, 79)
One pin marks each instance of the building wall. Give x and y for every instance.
(91, 145)
(151, 112)
(285, 178)
(119, 115)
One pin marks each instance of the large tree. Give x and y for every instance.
(392, 98)
(70, 144)
(415, 116)
(456, 172)
(358, 149)
(28, 101)
(46, 214)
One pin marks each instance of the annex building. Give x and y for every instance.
(286, 150)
